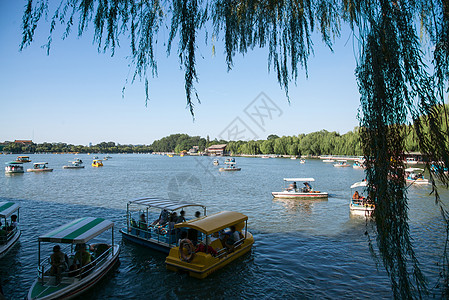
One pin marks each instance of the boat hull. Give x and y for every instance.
(299, 195)
(204, 264)
(418, 181)
(229, 170)
(73, 167)
(9, 244)
(76, 287)
(146, 242)
(39, 170)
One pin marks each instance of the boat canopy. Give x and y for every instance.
(299, 179)
(359, 184)
(8, 208)
(163, 203)
(78, 231)
(40, 163)
(215, 222)
(414, 169)
(13, 163)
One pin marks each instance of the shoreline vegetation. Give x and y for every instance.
(313, 145)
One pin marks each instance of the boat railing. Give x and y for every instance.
(95, 263)
(9, 234)
(44, 268)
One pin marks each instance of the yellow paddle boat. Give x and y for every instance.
(210, 243)
(23, 159)
(97, 163)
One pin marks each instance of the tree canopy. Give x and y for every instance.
(397, 84)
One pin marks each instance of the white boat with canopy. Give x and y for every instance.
(40, 167)
(156, 218)
(75, 164)
(415, 176)
(67, 283)
(341, 163)
(293, 191)
(360, 204)
(14, 167)
(9, 232)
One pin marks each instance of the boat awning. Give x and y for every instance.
(13, 163)
(359, 184)
(8, 208)
(299, 179)
(78, 231)
(215, 222)
(163, 203)
(40, 163)
(414, 169)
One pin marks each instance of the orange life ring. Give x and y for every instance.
(188, 245)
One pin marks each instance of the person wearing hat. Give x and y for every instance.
(57, 261)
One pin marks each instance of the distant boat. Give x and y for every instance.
(14, 167)
(302, 161)
(293, 191)
(415, 176)
(40, 167)
(23, 159)
(97, 163)
(76, 164)
(341, 164)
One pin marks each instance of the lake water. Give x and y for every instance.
(303, 248)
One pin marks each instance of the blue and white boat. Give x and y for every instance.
(157, 234)
(359, 203)
(71, 283)
(10, 234)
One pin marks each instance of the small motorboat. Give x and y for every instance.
(341, 163)
(11, 230)
(23, 159)
(411, 161)
(302, 161)
(358, 165)
(216, 162)
(40, 167)
(229, 168)
(415, 176)
(292, 191)
(14, 167)
(360, 204)
(65, 283)
(97, 163)
(76, 164)
(221, 238)
(158, 234)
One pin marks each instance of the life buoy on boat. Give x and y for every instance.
(188, 246)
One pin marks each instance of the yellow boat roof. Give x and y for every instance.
(214, 222)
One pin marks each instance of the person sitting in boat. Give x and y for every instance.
(209, 249)
(292, 186)
(307, 187)
(356, 195)
(58, 263)
(197, 214)
(142, 222)
(82, 257)
(163, 218)
(232, 238)
(181, 217)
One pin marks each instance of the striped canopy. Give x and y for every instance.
(78, 231)
(8, 208)
(163, 203)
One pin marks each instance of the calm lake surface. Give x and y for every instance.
(303, 248)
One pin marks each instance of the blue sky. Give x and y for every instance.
(74, 95)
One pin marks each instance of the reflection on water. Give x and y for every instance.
(303, 248)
